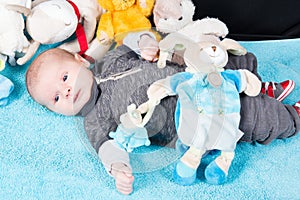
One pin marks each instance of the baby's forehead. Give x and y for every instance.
(49, 67)
(48, 73)
(54, 60)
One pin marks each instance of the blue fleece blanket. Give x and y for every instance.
(47, 156)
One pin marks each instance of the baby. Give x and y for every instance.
(63, 83)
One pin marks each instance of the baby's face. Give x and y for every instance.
(64, 86)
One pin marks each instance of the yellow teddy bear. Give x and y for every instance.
(121, 17)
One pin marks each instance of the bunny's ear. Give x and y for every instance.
(19, 9)
(211, 26)
(32, 49)
(233, 47)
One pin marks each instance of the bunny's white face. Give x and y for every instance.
(214, 55)
(211, 54)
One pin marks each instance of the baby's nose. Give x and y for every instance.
(67, 92)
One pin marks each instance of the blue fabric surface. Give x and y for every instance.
(47, 156)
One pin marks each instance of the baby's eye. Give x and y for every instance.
(56, 99)
(65, 77)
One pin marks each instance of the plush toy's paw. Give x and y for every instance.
(163, 57)
(21, 61)
(157, 91)
(186, 168)
(134, 115)
(104, 38)
(214, 174)
(253, 87)
(183, 174)
(180, 147)
(161, 63)
(148, 47)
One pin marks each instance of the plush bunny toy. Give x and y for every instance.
(208, 110)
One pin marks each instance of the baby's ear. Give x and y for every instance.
(83, 61)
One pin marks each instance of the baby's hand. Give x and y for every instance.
(123, 177)
(149, 48)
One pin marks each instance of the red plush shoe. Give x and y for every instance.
(278, 91)
(297, 107)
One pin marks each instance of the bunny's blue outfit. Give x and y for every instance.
(208, 117)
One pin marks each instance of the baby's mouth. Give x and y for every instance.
(76, 96)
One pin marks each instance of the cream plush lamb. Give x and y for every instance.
(54, 21)
(12, 38)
